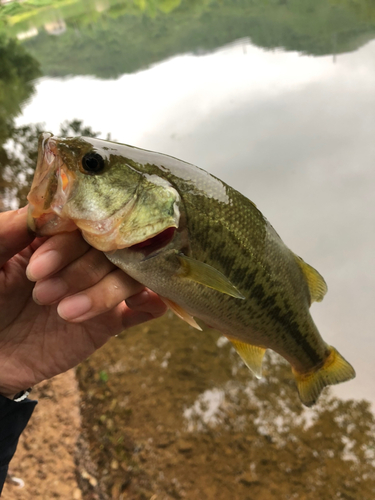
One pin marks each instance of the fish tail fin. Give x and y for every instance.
(335, 370)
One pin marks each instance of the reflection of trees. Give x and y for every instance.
(17, 164)
(131, 35)
(17, 71)
(363, 9)
(210, 424)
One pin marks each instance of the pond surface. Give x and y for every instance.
(275, 98)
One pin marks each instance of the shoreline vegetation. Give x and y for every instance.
(119, 33)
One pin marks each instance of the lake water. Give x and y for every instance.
(291, 128)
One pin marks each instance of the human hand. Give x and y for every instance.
(44, 330)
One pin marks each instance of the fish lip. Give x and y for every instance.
(43, 177)
(48, 192)
(49, 148)
(155, 243)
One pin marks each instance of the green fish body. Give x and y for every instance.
(201, 245)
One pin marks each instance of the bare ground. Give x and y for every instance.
(44, 464)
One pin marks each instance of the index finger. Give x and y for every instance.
(56, 253)
(14, 234)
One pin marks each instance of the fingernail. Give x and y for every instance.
(72, 308)
(43, 265)
(49, 291)
(138, 299)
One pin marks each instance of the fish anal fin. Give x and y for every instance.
(334, 371)
(252, 355)
(315, 281)
(181, 313)
(207, 275)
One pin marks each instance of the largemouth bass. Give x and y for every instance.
(198, 243)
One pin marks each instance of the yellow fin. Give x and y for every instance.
(181, 313)
(251, 355)
(207, 275)
(315, 281)
(335, 370)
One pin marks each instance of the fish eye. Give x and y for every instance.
(93, 163)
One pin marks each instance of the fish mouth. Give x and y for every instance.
(49, 190)
(157, 242)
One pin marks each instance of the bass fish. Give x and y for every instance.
(202, 246)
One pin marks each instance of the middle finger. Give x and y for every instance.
(100, 298)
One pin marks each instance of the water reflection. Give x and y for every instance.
(17, 72)
(112, 37)
(193, 429)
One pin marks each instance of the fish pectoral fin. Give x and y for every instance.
(207, 275)
(252, 355)
(334, 371)
(315, 281)
(181, 313)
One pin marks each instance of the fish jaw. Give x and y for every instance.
(49, 191)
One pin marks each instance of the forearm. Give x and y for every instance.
(14, 417)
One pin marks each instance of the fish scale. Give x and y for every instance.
(216, 257)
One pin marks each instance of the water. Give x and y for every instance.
(274, 98)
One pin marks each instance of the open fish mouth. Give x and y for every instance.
(151, 245)
(49, 191)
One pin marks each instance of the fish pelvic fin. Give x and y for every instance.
(315, 281)
(181, 313)
(252, 355)
(207, 275)
(334, 371)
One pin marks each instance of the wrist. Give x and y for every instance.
(11, 386)
(12, 391)
(9, 392)
(8, 396)
(19, 396)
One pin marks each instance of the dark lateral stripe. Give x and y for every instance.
(241, 275)
(286, 320)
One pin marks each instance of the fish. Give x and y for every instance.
(202, 246)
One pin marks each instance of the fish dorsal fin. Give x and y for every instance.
(181, 313)
(207, 275)
(252, 355)
(335, 370)
(315, 281)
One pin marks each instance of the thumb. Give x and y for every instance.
(14, 234)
